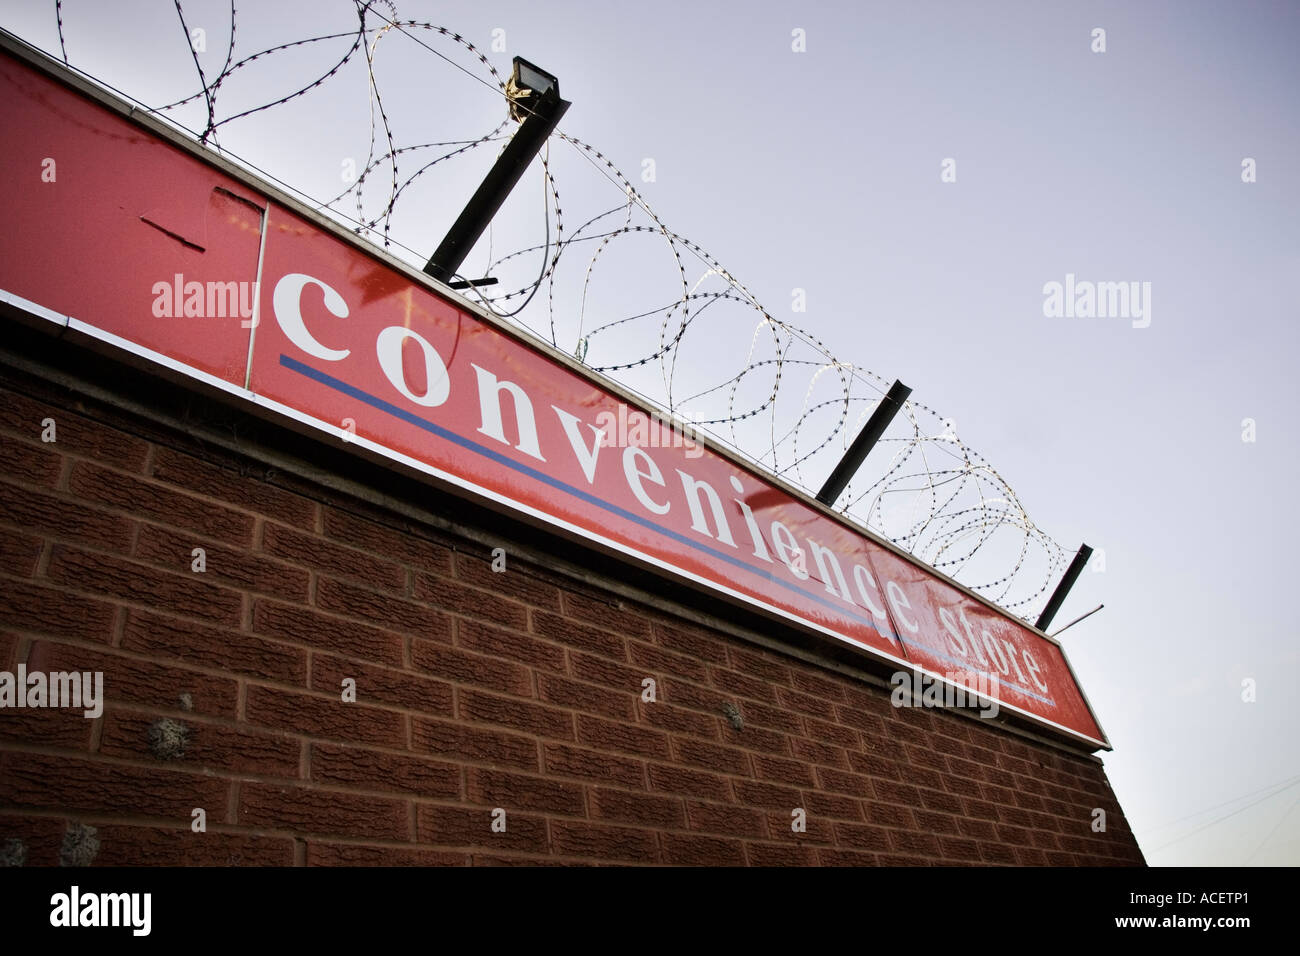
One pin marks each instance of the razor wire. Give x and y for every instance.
(705, 350)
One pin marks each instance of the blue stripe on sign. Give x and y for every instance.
(387, 407)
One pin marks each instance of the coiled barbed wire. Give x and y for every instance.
(787, 404)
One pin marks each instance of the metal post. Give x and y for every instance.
(496, 186)
(862, 445)
(1062, 589)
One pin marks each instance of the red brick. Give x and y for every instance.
(678, 719)
(8, 645)
(698, 753)
(41, 836)
(536, 719)
(323, 716)
(375, 537)
(625, 738)
(691, 641)
(64, 519)
(219, 648)
(148, 499)
(612, 614)
(588, 697)
(21, 414)
(302, 625)
(144, 682)
(762, 666)
(892, 792)
(755, 738)
(174, 550)
(925, 761)
(661, 663)
(570, 633)
(965, 768)
(65, 727)
(511, 791)
(359, 854)
(816, 685)
(684, 694)
(727, 819)
(474, 744)
(997, 853)
(936, 800)
(454, 596)
(755, 793)
(779, 854)
(841, 782)
(181, 846)
(565, 761)
(358, 768)
(829, 857)
(607, 673)
(762, 715)
(192, 596)
(815, 752)
(667, 778)
(383, 685)
(980, 808)
(518, 581)
(320, 554)
(955, 848)
(18, 553)
(67, 784)
(871, 724)
(590, 840)
(861, 837)
(792, 772)
(384, 611)
(35, 463)
(463, 667)
(27, 606)
(815, 829)
(1028, 856)
(662, 813)
(869, 700)
(833, 805)
(741, 685)
(938, 823)
(806, 703)
(248, 491)
(498, 642)
(208, 745)
(308, 811)
(911, 843)
(837, 734)
(86, 438)
(471, 827)
(874, 766)
(702, 851)
(1013, 835)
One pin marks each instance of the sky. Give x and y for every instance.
(921, 172)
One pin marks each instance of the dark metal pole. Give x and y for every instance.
(1058, 596)
(496, 186)
(862, 445)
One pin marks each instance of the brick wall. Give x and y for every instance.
(520, 690)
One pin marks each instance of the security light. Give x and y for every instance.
(535, 104)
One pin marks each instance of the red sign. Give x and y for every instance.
(136, 242)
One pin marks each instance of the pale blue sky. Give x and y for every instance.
(820, 170)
